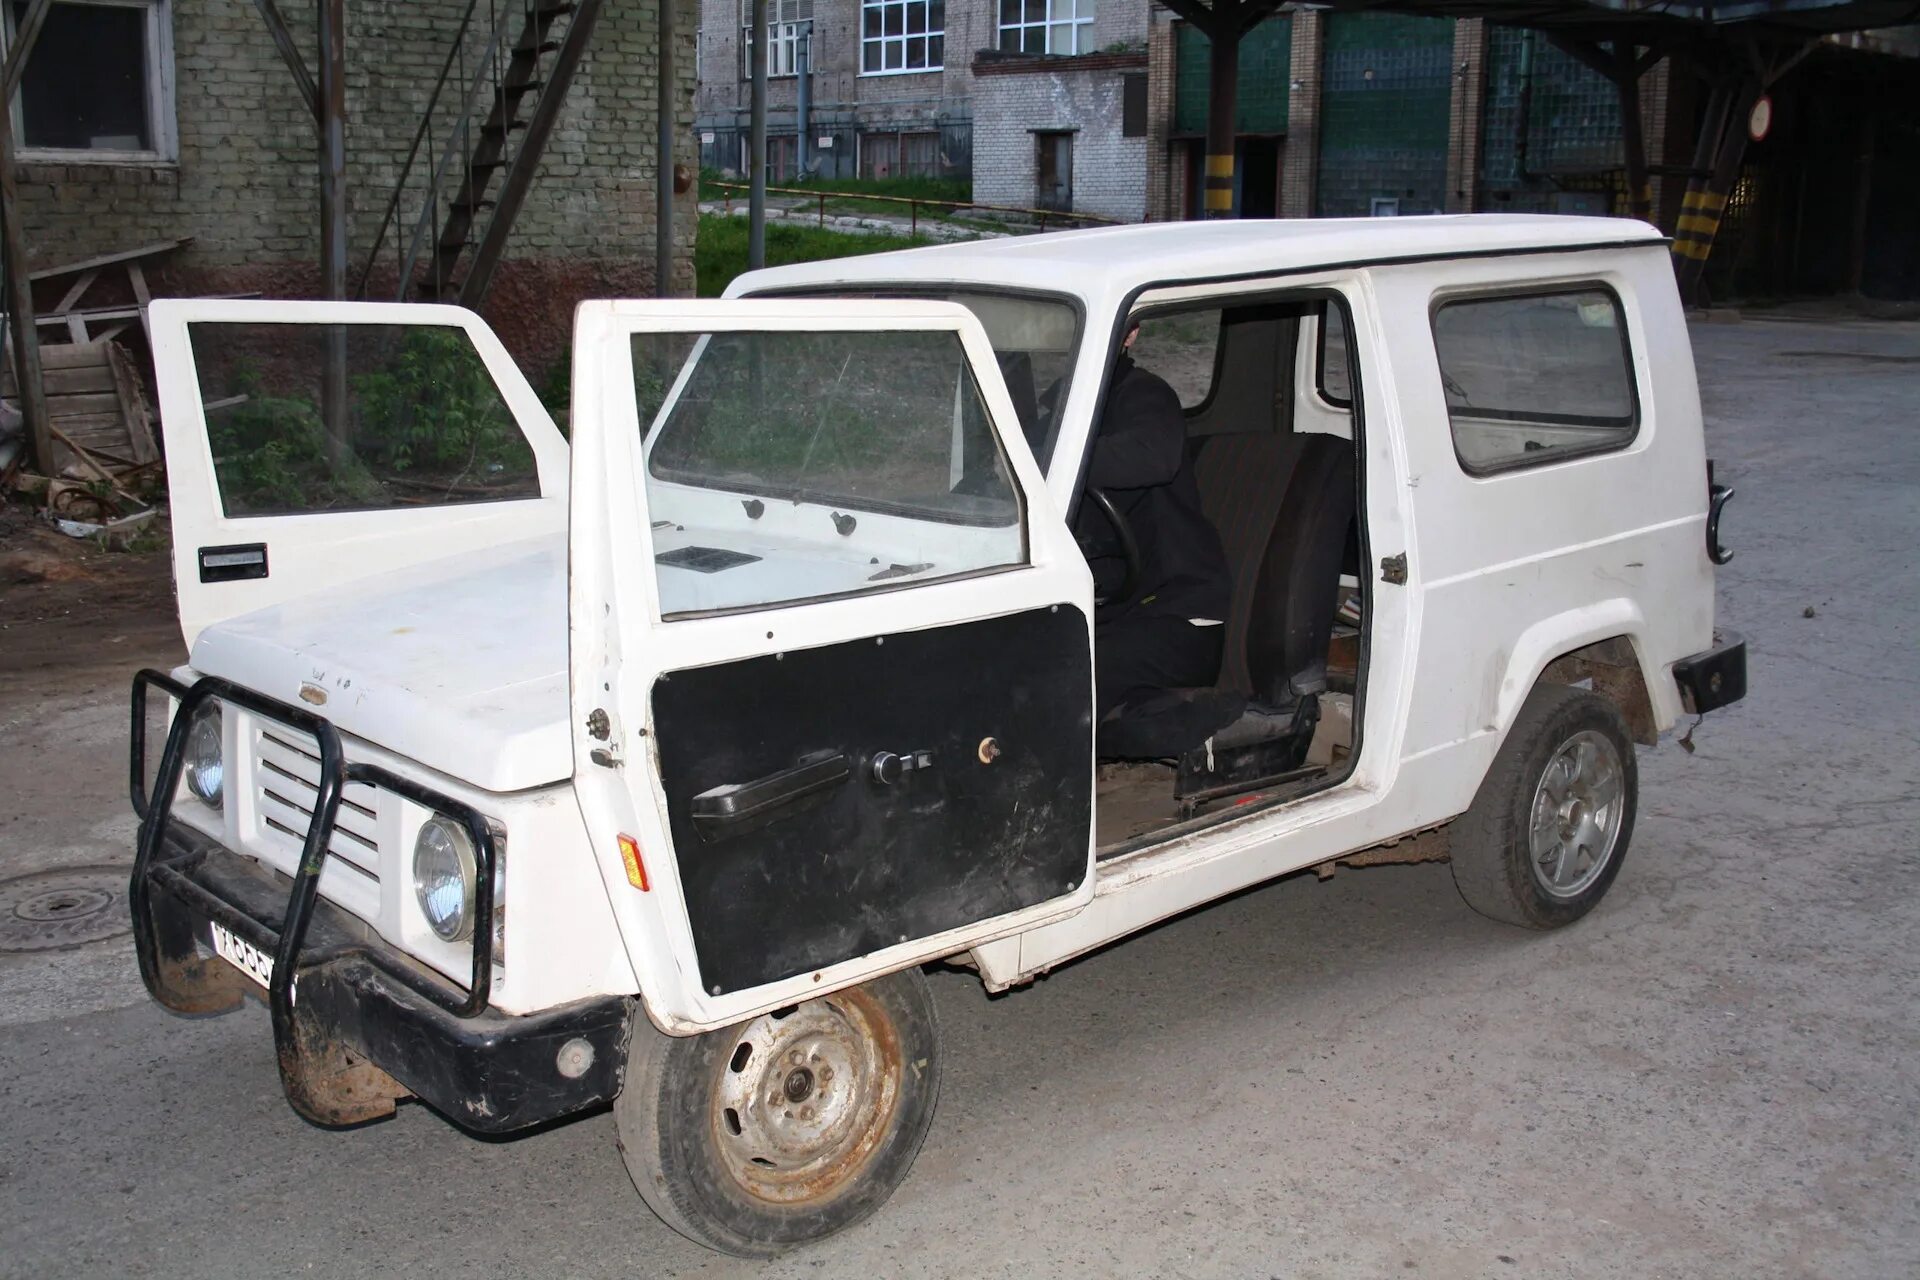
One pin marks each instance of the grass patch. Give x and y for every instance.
(720, 252)
(943, 192)
(949, 190)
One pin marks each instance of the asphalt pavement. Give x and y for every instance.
(1717, 1073)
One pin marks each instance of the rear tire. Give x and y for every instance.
(1549, 827)
(786, 1128)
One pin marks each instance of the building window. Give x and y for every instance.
(1046, 26)
(789, 23)
(900, 155)
(902, 35)
(98, 84)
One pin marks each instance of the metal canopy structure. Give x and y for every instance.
(1784, 17)
(1741, 48)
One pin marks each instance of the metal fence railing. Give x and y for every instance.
(915, 203)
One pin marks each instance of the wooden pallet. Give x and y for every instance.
(94, 403)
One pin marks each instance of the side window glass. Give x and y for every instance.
(1535, 378)
(413, 418)
(1331, 378)
(1184, 348)
(787, 465)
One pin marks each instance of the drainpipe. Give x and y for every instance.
(1524, 119)
(803, 101)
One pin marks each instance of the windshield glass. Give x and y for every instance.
(881, 421)
(354, 417)
(1034, 339)
(792, 464)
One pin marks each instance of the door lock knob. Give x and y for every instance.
(888, 768)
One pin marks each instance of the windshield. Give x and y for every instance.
(1034, 338)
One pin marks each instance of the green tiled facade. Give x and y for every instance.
(1266, 56)
(1383, 116)
(1572, 128)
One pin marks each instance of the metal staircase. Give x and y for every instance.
(486, 146)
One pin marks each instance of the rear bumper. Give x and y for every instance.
(1715, 677)
(357, 1024)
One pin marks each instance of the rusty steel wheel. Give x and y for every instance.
(785, 1128)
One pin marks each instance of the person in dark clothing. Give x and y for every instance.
(1168, 632)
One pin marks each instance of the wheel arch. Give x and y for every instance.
(1604, 642)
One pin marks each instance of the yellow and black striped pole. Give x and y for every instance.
(1219, 186)
(1700, 211)
(1223, 102)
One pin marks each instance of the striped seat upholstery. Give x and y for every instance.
(1283, 505)
(1243, 479)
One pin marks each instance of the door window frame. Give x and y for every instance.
(615, 369)
(1224, 296)
(1551, 289)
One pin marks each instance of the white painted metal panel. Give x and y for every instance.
(621, 641)
(312, 551)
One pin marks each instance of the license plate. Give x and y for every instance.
(242, 955)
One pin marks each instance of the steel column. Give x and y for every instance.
(663, 198)
(757, 143)
(19, 299)
(332, 100)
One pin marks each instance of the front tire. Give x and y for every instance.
(788, 1127)
(1549, 827)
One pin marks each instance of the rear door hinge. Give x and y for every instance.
(1393, 569)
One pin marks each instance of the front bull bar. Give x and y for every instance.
(321, 1080)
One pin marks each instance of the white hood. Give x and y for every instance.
(460, 664)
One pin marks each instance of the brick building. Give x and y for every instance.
(147, 120)
(894, 88)
(881, 94)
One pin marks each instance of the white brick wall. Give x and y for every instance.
(1109, 171)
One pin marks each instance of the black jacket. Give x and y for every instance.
(1140, 460)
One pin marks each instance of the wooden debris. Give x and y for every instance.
(97, 413)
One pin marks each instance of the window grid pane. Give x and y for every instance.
(1044, 26)
(87, 86)
(902, 35)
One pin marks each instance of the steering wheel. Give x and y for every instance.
(1129, 547)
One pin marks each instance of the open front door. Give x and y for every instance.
(831, 648)
(311, 444)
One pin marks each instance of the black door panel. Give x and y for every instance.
(965, 794)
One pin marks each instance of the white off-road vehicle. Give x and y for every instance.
(525, 779)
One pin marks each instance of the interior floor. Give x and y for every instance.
(1133, 800)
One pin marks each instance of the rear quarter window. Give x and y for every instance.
(1536, 377)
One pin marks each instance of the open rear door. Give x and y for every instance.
(831, 648)
(311, 444)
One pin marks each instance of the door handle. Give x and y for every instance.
(734, 807)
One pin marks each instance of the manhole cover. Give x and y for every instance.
(52, 909)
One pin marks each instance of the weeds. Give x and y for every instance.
(720, 252)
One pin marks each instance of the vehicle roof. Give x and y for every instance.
(1104, 260)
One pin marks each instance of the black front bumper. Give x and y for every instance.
(356, 1023)
(1715, 677)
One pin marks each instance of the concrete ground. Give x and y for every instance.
(1717, 1073)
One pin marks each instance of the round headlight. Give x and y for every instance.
(205, 764)
(443, 878)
